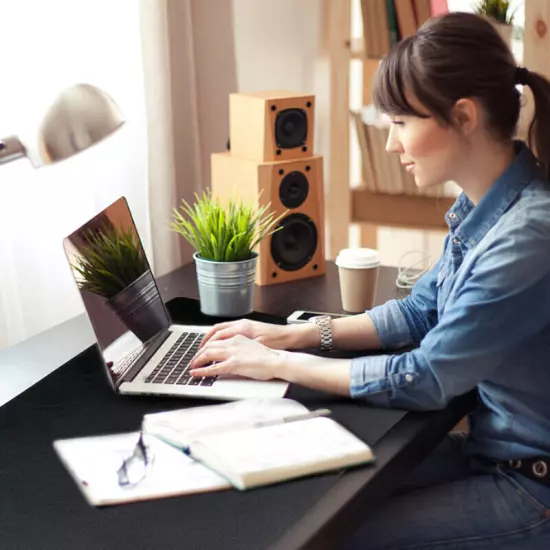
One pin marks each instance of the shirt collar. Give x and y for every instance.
(470, 224)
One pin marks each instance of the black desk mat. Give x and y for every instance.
(41, 507)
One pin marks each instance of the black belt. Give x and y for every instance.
(536, 468)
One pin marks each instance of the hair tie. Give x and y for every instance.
(522, 75)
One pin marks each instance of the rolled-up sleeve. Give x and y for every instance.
(476, 333)
(398, 323)
(403, 322)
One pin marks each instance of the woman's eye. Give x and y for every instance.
(398, 122)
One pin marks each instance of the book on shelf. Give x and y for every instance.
(385, 22)
(369, 179)
(439, 7)
(406, 17)
(382, 171)
(376, 29)
(393, 27)
(423, 11)
(258, 442)
(381, 161)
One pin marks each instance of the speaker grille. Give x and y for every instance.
(294, 189)
(291, 128)
(293, 246)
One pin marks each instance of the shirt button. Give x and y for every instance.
(456, 241)
(452, 215)
(409, 378)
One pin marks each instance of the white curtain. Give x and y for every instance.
(190, 69)
(46, 46)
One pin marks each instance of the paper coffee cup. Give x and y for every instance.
(358, 272)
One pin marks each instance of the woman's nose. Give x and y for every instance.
(393, 145)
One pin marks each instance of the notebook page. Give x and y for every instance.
(184, 425)
(313, 441)
(93, 462)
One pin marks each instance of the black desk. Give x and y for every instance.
(40, 506)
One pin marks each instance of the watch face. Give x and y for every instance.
(316, 318)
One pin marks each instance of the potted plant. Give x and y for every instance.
(500, 14)
(224, 239)
(111, 264)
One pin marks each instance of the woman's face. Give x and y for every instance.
(427, 149)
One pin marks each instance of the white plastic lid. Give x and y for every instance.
(358, 258)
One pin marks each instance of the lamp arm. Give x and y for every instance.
(11, 148)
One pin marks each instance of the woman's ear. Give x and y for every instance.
(465, 115)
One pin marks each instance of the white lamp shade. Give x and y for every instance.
(80, 116)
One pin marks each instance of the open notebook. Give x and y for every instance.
(242, 444)
(259, 441)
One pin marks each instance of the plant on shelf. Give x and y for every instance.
(500, 10)
(110, 260)
(224, 239)
(500, 14)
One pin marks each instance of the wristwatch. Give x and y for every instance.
(323, 322)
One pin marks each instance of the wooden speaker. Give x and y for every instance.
(294, 187)
(271, 126)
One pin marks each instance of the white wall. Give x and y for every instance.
(277, 47)
(47, 46)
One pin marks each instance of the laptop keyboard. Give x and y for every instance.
(174, 367)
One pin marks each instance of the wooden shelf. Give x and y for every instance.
(407, 211)
(357, 48)
(345, 205)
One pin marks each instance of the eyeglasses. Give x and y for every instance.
(135, 467)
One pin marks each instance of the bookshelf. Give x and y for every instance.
(346, 204)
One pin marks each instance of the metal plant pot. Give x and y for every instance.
(140, 307)
(226, 289)
(506, 32)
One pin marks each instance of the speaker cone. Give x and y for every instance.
(293, 246)
(290, 128)
(294, 189)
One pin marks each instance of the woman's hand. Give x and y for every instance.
(272, 336)
(242, 356)
(237, 355)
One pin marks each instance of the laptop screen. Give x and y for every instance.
(117, 286)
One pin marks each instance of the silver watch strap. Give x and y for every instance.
(325, 330)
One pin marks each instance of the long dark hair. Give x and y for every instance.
(461, 55)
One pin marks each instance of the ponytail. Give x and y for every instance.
(539, 129)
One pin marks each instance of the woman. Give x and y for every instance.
(480, 317)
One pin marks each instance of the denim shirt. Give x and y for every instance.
(481, 317)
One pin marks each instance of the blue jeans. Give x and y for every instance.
(454, 502)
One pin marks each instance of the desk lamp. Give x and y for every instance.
(80, 116)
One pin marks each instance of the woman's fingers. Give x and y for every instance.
(209, 370)
(217, 351)
(212, 331)
(214, 352)
(226, 333)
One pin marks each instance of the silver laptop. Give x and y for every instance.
(142, 352)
